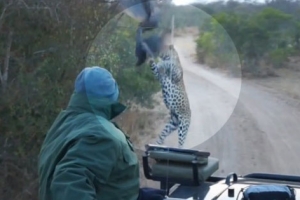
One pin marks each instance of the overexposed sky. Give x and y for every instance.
(183, 2)
(186, 2)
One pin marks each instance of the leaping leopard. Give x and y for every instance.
(168, 71)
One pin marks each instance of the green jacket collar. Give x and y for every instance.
(98, 106)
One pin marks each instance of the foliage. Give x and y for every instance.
(269, 35)
(43, 46)
(114, 49)
(277, 57)
(215, 47)
(185, 16)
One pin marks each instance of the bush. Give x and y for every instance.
(278, 57)
(268, 37)
(48, 49)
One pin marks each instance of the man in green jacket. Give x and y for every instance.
(84, 155)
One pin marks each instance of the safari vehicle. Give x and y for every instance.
(188, 174)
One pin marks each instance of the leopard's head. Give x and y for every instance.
(169, 52)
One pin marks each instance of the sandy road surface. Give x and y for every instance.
(249, 128)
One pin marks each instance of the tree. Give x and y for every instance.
(43, 46)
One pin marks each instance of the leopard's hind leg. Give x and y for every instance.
(183, 128)
(171, 126)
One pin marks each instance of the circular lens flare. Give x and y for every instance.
(211, 75)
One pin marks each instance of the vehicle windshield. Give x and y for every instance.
(237, 97)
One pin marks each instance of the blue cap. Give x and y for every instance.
(97, 82)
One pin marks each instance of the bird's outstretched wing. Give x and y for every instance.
(154, 45)
(146, 47)
(147, 12)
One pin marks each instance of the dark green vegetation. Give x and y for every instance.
(43, 46)
(264, 35)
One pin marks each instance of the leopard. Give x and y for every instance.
(169, 73)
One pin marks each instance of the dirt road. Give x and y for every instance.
(246, 126)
